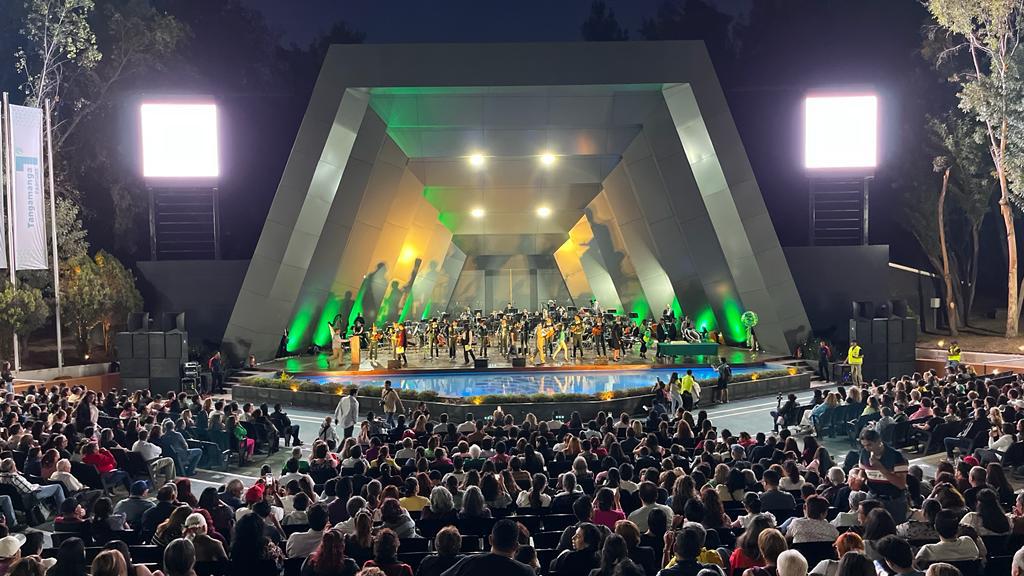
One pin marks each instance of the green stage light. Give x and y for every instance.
(705, 319)
(300, 323)
(321, 332)
(733, 324)
(642, 310)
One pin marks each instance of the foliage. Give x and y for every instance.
(95, 292)
(602, 25)
(71, 236)
(59, 45)
(288, 382)
(122, 296)
(991, 91)
(22, 311)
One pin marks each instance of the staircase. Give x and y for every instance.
(240, 375)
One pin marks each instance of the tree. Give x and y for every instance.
(59, 45)
(602, 25)
(943, 165)
(83, 298)
(23, 310)
(694, 20)
(991, 91)
(122, 296)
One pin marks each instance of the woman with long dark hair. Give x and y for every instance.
(70, 559)
(988, 518)
(329, 558)
(535, 497)
(747, 554)
(252, 553)
(385, 555)
(613, 552)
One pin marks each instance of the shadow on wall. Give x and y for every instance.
(626, 283)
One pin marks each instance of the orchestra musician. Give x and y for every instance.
(400, 339)
(597, 331)
(374, 341)
(482, 336)
(453, 339)
(576, 330)
(466, 340)
(432, 336)
(616, 339)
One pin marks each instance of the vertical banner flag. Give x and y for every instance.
(29, 216)
(5, 186)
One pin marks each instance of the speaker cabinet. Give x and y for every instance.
(519, 362)
(134, 384)
(900, 352)
(164, 368)
(157, 346)
(899, 308)
(910, 326)
(123, 345)
(860, 330)
(163, 386)
(895, 328)
(176, 346)
(863, 309)
(879, 331)
(140, 345)
(138, 321)
(134, 368)
(897, 369)
(480, 363)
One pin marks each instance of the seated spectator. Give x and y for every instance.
(136, 504)
(9, 475)
(63, 474)
(950, 547)
(385, 554)
(152, 454)
(898, 556)
(648, 493)
(207, 549)
(846, 542)
(879, 524)
(106, 464)
(297, 516)
(686, 546)
(852, 517)
(447, 544)
(412, 501)
(166, 502)
(923, 529)
(302, 544)
(441, 507)
(583, 556)
(535, 496)
(613, 552)
(791, 563)
(172, 528)
(104, 519)
(855, 563)
(747, 553)
(773, 498)
(607, 511)
(396, 519)
(813, 527)
(988, 519)
(473, 505)
(180, 558)
(771, 543)
(499, 560)
(329, 559)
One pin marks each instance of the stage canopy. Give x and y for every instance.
(436, 177)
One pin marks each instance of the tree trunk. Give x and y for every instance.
(1012, 302)
(972, 273)
(951, 306)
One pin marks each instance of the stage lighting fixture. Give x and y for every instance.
(547, 159)
(477, 160)
(477, 212)
(179, 140)
(543, 211)
(841, 132)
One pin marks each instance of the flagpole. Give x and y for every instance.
(9, 145)
(53, 236)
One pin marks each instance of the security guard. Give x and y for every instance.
(953, 355)
(855, 358)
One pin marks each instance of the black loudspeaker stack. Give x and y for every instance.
(151, 360)
(518, 362)
(887, 337)
(480, 363)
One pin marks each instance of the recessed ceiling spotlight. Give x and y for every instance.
(477, 160)
(477, 212)
(543, 211)
(547, 159)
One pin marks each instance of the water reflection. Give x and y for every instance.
(466, 384)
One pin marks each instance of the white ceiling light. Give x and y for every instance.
(477, 212)
(543, 211)
(477, 160)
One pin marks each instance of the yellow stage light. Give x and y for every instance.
(543, 211)
(477, 160)
(547, 159)
(477, 212)
(408, 254)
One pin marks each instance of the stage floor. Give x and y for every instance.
(420, 362)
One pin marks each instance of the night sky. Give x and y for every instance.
(300, 21)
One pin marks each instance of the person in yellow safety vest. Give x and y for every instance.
(855, 358)
(686, 390)
(953, 356)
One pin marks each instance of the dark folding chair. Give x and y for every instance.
(815, 552)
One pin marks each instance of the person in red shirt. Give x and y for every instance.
(105, 464)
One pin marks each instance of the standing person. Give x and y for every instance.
(542, 335)
(374, 342)
(7, 377)
(453, 339)
(616, 340)
(391, 402)
(598, 334)
(686, 390)
(721, 391)
(886, 471)
(337, 348)
(466, 340)
(216, 366)
(347, 412)
(433, 331)
(576, 329)
(674, 392)
(561, 343)
(824, 358)
(855, 358)
(953, 355)
(401, 341)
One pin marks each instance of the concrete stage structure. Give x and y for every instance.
(435, 177)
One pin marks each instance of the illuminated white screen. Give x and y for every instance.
(840, 132)
(179, 140)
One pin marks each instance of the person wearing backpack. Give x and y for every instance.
(721, 391)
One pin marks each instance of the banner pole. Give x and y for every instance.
(9, 145)
(53, 236)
